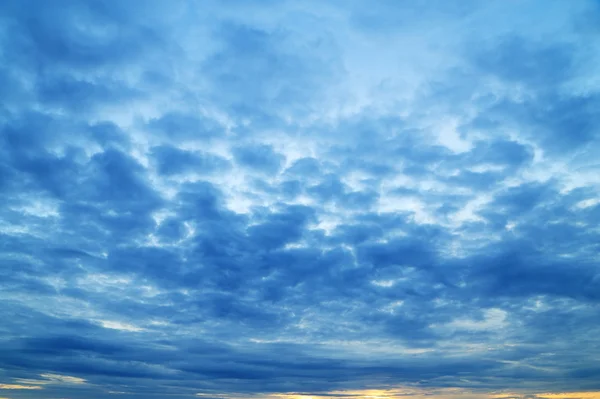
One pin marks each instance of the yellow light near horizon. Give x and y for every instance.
(400, 393)
(367, 393)
(439, 393)
(570, 395)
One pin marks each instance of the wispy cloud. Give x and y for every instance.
(18, 386)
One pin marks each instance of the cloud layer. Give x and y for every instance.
(232, 199)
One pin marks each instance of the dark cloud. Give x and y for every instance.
(181, 127)
(259, 157)
(173, 161)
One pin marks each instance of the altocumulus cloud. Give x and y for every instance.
(299, 199)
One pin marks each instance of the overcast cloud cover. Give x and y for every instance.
(329, 198)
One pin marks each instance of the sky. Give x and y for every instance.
(312, 199)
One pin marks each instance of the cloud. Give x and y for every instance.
(299, 200)
(258, 157)
(17, 386)
(63, 379)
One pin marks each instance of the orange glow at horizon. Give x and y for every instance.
(565, 395)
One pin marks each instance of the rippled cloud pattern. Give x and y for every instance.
(299, 199)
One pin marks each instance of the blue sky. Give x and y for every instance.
(299, 199)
